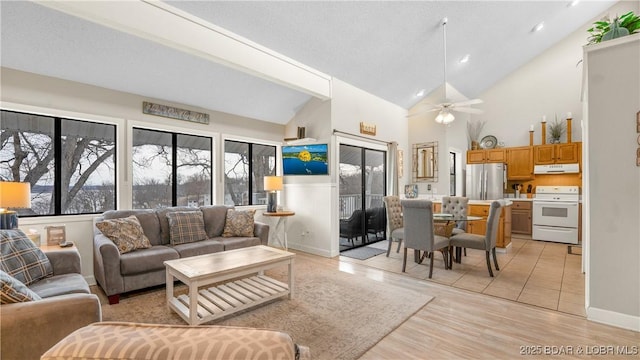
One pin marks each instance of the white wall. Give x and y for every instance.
(614, 182)
(34, 93)
(315, 227)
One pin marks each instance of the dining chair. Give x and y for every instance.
(486, 242)
(419, 232)
(458, 206)
(394, 220)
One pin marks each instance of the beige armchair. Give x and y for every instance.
(30, 328)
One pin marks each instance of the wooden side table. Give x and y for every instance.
(281, 226)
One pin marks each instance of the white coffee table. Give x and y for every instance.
(239, 278)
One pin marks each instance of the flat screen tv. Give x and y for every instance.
(305, 160)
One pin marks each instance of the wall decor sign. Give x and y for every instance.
(174, 113)
(368, 129)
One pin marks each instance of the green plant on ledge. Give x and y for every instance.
(606, 29)
(556, 129)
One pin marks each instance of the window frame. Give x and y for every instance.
(58, 116)
(251, 141)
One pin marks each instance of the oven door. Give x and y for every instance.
(555, 213)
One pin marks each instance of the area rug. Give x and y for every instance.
(362, 253)
(336, 314)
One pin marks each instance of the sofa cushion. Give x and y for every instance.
(231, 243)
(146, 260)
(214, 219)
(21, 258)
(148, 220)
(238, 223)
(61, 285)
(126, 233)
(165, 229)
(13, 290)
(186, 227)
(209, 246)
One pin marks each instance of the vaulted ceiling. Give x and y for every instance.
(392, 49)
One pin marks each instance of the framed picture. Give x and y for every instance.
(411, 191)
(55, 235)
(305, 160)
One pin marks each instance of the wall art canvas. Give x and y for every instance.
(411, 191)
(305, 160)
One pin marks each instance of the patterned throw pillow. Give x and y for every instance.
(238, 223)
(126, 233)
(186, 227)
(14, 291)
(21, 258)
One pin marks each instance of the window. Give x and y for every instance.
(452, 174)
(245, 166)
(171, 169)
(70, 164)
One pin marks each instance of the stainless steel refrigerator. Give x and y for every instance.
(486, 181)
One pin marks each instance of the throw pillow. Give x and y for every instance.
(14, 291)
(21, 258)
(238, 223)
(186, 227)
(126, 233)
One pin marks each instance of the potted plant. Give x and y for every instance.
(556, 129)
(606, 29)
(474, 127)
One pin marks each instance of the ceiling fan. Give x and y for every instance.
(445, 106)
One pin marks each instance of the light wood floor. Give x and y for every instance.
(532, 272)
(461, 324)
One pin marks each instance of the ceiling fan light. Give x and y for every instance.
(445, 117)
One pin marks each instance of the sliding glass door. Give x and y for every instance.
(362, 176)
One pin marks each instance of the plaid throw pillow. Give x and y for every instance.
(13, 291)
(126, 233)
(186, 227)
(238, 223)
(21, 258)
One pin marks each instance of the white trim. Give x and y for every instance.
(56, 112)
(613, 318)
(312, 250)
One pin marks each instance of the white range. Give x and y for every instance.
(555, 214)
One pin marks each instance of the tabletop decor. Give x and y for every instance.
(605, 29)
(556, 129)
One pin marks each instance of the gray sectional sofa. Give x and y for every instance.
(118, 273)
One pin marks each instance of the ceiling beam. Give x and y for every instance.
(159, 22)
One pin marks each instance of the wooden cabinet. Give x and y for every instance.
(479, 227)
(567, 153)
(521, 217)
(486, 156)
(520, 163)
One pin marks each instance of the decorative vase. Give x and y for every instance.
(474, 145)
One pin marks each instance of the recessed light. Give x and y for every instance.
(420, 93)
(574, 3)
(538, 27)
(464, 59)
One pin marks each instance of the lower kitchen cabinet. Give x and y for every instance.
(521, 217)
(480, 226)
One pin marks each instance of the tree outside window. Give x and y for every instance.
(245, 166)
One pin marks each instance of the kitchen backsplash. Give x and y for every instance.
(545, 180)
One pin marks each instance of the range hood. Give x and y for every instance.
(557, 169)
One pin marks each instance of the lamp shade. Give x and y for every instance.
(15, 194)
(273, 183)
(445, 117)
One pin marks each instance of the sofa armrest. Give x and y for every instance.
(261, 230)
(106, 265)
(65, 261)
(29, 329)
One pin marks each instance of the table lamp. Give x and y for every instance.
(272, 184)
(13, 195)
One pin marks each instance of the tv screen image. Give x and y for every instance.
(305, 160)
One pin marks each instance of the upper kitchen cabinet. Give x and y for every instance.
(568, 153)
(520, 163)
(486, 156)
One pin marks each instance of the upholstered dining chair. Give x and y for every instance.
(419, 232)
(394, 220)
(486, 242)
(458, 206)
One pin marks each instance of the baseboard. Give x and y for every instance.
(310, 249)
(612, 318)
(91, 280)
(503, 250)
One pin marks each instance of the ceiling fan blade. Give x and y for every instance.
(428, 106)
(421, 112)
(467, 110)
(468, 102)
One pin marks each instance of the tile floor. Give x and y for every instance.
(533, 272)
